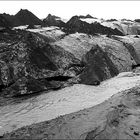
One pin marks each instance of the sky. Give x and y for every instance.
(67, 9)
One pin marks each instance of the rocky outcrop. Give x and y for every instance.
(26, 58)
(99, 67)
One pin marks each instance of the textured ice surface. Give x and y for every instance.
(50, 105)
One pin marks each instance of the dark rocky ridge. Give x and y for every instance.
(23, 17)
(76, 25)
(52, 20)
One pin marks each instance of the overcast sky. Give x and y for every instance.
(67, 9)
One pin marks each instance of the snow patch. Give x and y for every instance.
(62, 19)
(21, 27)
(91, 20)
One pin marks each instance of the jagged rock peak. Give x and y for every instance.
(51, 16)
(74, 18)
(52, 20)
(25, 17)
(23, 11)
(87, 16)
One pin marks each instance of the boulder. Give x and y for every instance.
(99, 67)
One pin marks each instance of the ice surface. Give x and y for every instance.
(52, 32)
(50, 105)
(23, 27)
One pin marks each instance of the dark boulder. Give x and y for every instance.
(99, 67)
